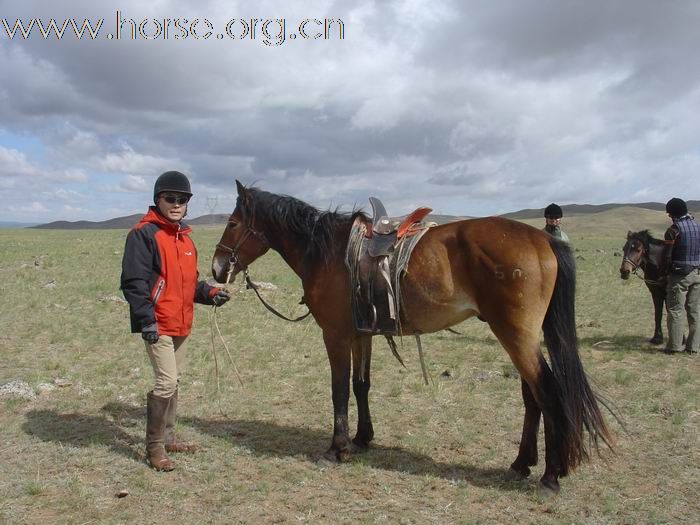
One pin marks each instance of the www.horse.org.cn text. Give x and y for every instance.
(269, 31)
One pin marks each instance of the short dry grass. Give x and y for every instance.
(440, 451)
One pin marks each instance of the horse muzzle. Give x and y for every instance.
(624, 274)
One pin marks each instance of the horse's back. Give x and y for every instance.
(488, 266)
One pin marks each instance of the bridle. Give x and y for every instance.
(636, 266)
(234, 259)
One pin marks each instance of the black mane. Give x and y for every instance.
(646, 238)
(282, 216)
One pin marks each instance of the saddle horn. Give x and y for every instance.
(380, 218)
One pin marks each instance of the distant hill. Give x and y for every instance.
(120, 223)
(613, 222)
(526, 215)
(124, 223)
(585, 209)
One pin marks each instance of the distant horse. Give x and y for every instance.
(644, 251)
(516, 278)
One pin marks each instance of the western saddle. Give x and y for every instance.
(377, 256)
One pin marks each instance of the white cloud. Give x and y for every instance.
(32, 208)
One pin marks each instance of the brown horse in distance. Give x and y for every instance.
(641, 250)
(516, 278)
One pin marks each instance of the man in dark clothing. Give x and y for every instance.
(160, 281)
(682, 240)
(552, 216)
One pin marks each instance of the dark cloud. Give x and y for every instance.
(472, 107)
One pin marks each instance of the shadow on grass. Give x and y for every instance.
(621, 343)
(261, 438)
(265, 438)
(80, 430)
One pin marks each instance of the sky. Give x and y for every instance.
(472, 107)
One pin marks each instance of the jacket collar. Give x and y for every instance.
(155, 217)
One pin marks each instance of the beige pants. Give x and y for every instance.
(168, 358)
(683, 296)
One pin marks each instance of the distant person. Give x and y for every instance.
(682, 251)
(159, 280)
(552, 216)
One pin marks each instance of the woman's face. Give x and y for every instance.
(173, 205)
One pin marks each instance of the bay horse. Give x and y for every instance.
(642, 250)
(515, 277)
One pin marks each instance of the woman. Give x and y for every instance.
(160, 281)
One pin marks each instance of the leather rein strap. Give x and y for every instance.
(235, 260)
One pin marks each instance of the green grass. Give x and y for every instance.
(440, 451)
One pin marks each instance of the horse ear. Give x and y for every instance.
(242, 192)
(629, 233)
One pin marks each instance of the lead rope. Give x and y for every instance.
(213, 322)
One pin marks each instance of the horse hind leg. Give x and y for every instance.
(527, 453)
(361, 359)
(540, 397)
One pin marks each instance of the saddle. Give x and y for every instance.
(377, 256)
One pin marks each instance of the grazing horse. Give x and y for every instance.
(516, 278)
(644, 251)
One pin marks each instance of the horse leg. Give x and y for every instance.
(527, 454)
(339, 357)
(523, 348)
(658, 296)
(360, 387)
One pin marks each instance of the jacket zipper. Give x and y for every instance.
(156, 295)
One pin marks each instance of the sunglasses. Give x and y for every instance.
(172, 199)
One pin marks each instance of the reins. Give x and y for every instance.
(235, 260)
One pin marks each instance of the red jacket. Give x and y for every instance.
(159, 275)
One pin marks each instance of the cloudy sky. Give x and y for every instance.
(472, 107)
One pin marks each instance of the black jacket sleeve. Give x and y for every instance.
(138, 273)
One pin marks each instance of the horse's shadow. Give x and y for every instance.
(260, 438)
(81, 430)
(270, 439)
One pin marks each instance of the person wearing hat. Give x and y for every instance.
(682, 252)
(552, 216)
(160, 282)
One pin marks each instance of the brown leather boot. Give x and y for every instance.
(171, 443)
(156, 409)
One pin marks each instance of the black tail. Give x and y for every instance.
(579, 405)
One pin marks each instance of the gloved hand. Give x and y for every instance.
(221, 297)
(150, 333)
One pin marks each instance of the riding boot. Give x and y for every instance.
(156, 409)
(171, 444)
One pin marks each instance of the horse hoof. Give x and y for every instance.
(547, 491)
(336, 456)
(515, 475)
(656, 340)
(359, 445)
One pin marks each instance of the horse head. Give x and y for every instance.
(241, 243)
(633, 253)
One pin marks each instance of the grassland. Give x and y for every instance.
(440, 451)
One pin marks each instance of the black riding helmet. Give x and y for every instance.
(172, 181)
(676, 207)
(553, 211)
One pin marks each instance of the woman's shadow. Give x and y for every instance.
(81, 430)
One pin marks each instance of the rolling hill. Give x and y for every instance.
(579, 219)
